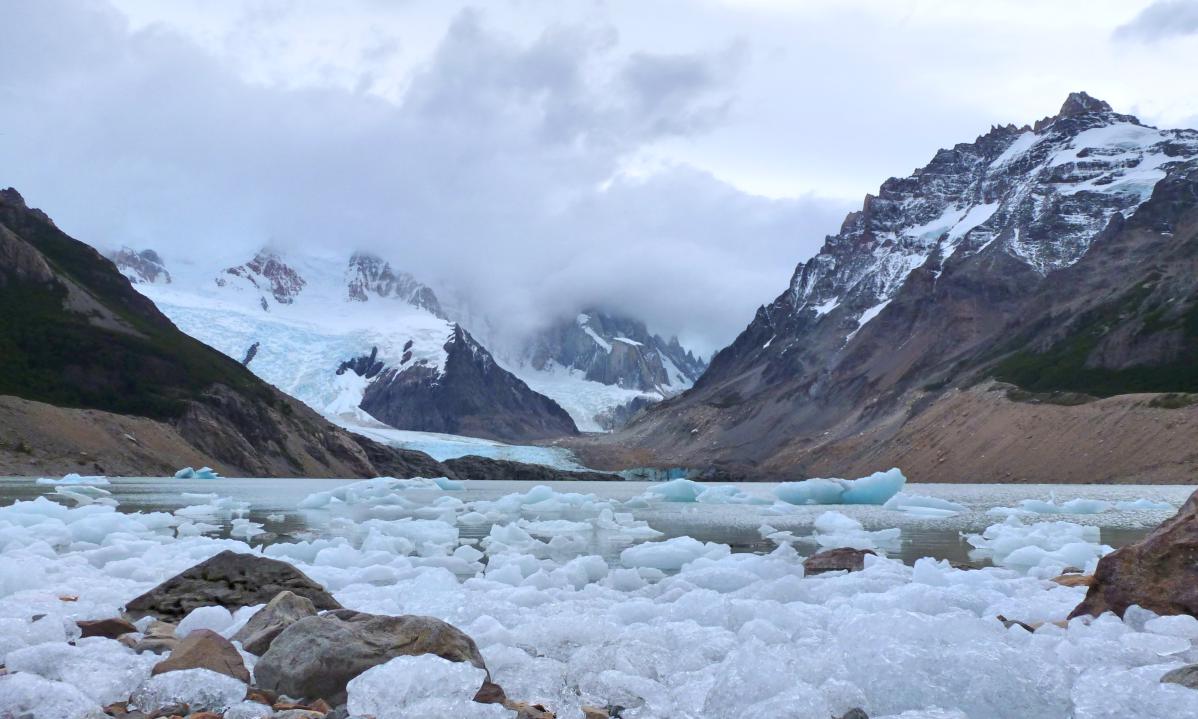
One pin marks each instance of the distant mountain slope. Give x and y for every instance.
(356, 340)
(74, 334)
(1057, 257)
(605, 368)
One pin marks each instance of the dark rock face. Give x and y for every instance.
(144, 266)
(618, 351)
(836, 560)
(472, 395)
(474, 467)
(228, 580)
(316, 657)
(204, 649)
(1057, 257)
(268, 274)
(1159, 573)
(285, 609)
(369, 276)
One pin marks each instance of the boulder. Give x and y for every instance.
(205, 649)
(229, 580)
(317, 656)
(1186, 676)
(1159, 573)
(1074, 580)
(109, 628)
(158, 638)
(836, 560)
(855, 713)
(285, 609)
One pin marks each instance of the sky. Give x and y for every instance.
(665, 159)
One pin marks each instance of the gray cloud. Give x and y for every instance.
(497, 174)
(1161, 19)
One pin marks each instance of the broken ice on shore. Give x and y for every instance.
(664, 627)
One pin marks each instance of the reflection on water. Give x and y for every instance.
(275, 504)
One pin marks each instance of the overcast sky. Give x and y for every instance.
(672, 160)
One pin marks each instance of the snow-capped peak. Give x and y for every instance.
(1039, 194)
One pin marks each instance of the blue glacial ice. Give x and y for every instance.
(877, 488)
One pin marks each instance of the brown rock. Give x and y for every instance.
(110, 628)
(318, 656)
(159, 639)
(285, 609)
(204, 715)
(1159, 573)
(1074, 580)
(524, 710)
(230, 580)
(594, 713)
(835, 560)
(262, 696)
(205, 649)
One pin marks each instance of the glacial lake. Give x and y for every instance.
(275, 504)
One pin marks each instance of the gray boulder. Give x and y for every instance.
(836, 560)
(316, 657)
(1186, 676)
(229, 580)
(285, 609)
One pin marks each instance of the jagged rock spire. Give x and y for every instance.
(1080, 103)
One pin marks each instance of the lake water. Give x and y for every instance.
(275, 504)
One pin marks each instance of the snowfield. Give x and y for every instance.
(665, 628)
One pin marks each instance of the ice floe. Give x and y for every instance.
(1042, 549)
(877, 488)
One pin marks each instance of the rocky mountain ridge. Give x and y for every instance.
(1058, 257)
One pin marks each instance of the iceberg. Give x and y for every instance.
(73, 479)
(877, 488)
(1042, 549)
(924, 506)
(685, 490)
(201, 473)
(834, 530)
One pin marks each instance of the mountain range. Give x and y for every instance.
(369, 345)
(998, 315)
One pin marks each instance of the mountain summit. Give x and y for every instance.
(1058, 258)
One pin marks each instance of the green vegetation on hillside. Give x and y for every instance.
(56, 356)
(1063, 367)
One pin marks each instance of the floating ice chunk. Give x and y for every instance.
(216, 618)
(1131, 506)
(29, 696)
(924, 506)
(419, 686)
(100, 668)
(834, 530)
(449, 485)
(1050, 506)
(672, 554)
(74, 478)
(676, 490)
(206, 473)
(877, 488)
(1041, 549)
(186, 473)
(199, 689)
